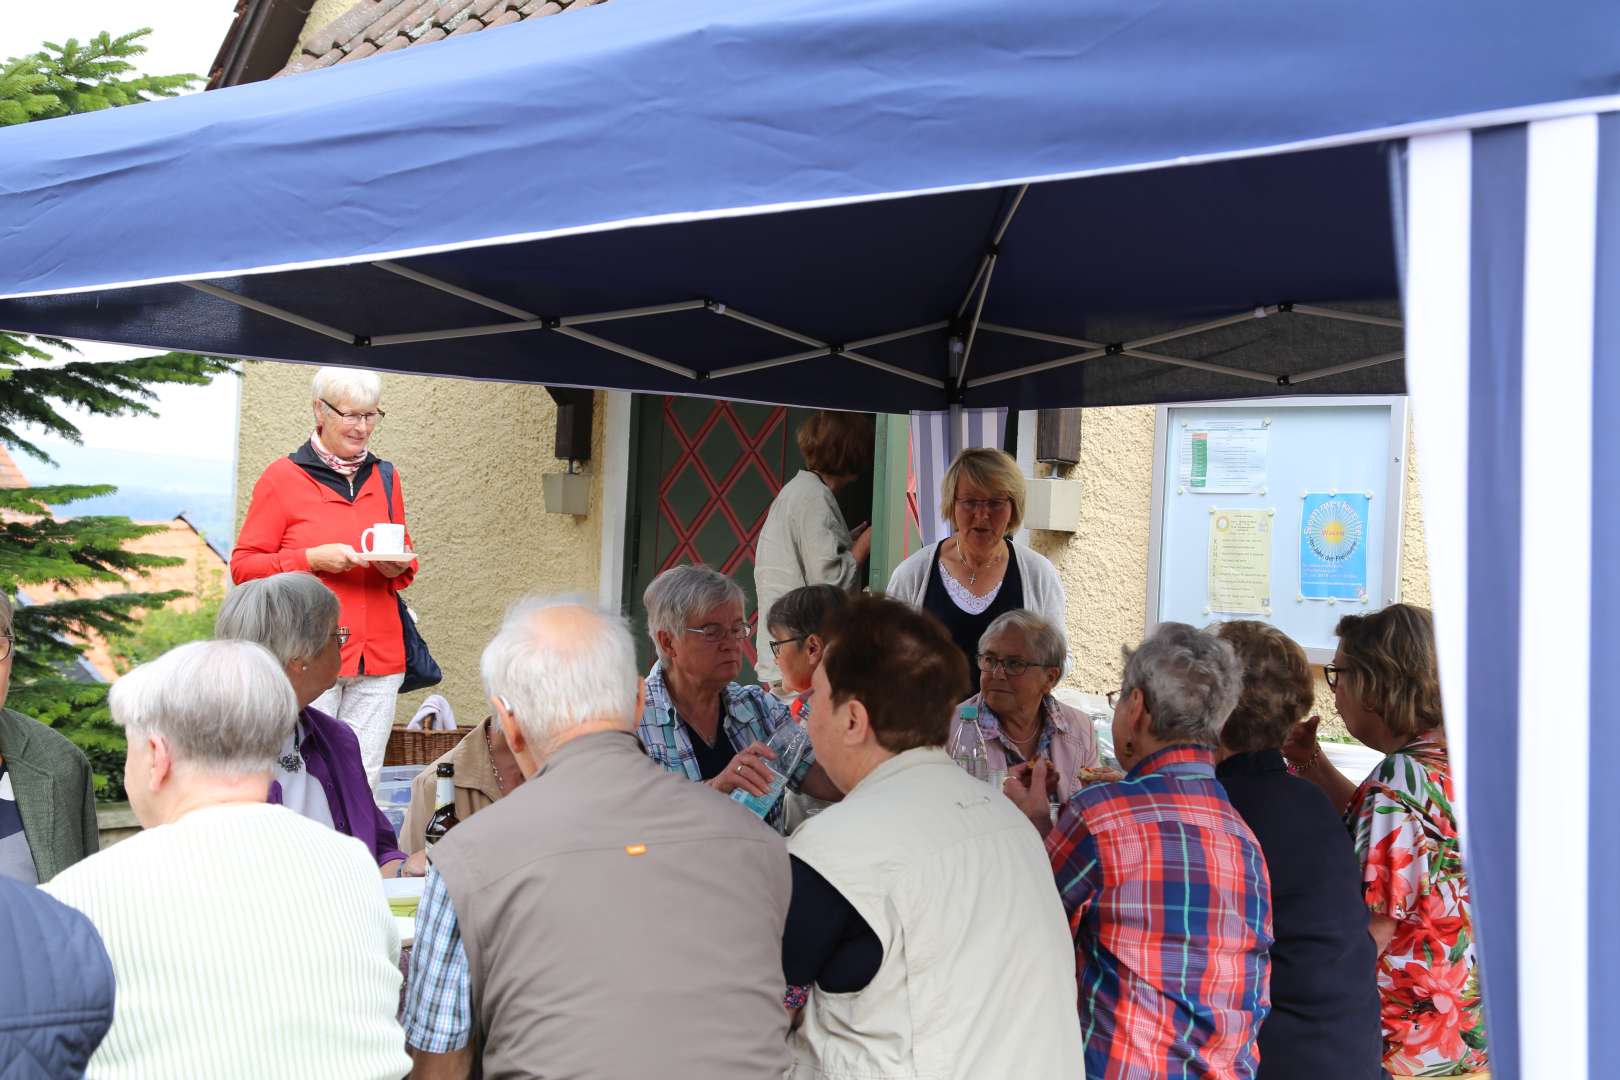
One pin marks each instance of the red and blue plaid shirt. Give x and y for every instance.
(1170, 906)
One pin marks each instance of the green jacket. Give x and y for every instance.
(55, 791)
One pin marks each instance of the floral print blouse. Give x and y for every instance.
(1428, 979)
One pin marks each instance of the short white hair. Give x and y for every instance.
(554, 679)
(1044, 640)
(681, 593)
(347, 386)
(224, 707)
(292, 614)
(1191, 681)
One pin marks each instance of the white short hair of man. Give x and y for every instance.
(292, 614)
(553, 683)
(1191, 680)
(224, 707)
(346, 386)
(681, 593)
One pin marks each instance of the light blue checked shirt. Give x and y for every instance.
(438, 994)
(747, 715)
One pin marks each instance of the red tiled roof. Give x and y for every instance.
(10, 475)
(374, 26)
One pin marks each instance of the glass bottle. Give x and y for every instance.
(444, 805)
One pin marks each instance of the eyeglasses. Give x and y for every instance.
(5, 645)
(342, 635)
(355, 419)
(1331, 673)
(1014, 666)
(990, 506)
(714, 633)
(776, 646)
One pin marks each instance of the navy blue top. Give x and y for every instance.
(1324, 995)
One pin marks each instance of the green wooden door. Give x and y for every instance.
(704, 476)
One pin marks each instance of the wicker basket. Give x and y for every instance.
(419, 747)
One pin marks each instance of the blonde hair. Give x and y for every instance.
(989, 470)
(1390, 666)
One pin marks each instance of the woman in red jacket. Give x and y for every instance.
(308, 512)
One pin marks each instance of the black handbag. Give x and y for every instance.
(421, 670)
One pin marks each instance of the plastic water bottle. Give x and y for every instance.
(789, 743)
(967, 748)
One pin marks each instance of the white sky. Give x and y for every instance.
(193, 421)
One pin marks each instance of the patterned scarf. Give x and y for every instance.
(341, 466)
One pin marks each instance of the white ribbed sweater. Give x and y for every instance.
(247, 941)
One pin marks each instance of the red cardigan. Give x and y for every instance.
(292, 511)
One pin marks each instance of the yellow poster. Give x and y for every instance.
(1240, 561)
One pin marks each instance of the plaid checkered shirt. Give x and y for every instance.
(747, 715)
(438, 991)
(1170, 906)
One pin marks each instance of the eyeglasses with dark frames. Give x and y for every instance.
(6, 642)
(1014, 666)
(776, 646)
(714, 633)
(371, 417)
(1331, 673)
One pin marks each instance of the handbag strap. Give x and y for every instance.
(387, 470)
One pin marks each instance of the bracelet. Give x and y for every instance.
(1310, 763)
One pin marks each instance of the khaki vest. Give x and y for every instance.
(621, 921)
(978, 972)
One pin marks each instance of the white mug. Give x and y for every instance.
(383, 538)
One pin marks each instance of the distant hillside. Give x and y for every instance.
(151, 487)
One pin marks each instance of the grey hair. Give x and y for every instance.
(553, 679)
(1045, 641)
(290, 614)
(346, 385)
(224, 707)
(1191, 680)
(681, 592)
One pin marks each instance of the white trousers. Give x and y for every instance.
(366, 704)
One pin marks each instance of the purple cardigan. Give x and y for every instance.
(332, 755)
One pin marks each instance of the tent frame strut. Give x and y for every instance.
(961, 343)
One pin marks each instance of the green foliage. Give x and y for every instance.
(38, 377)
(163, 629)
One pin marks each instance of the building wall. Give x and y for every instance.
(1104, 566)
(470, 456)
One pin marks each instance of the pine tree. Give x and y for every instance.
(37, 377)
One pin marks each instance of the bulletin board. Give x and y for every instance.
(1284, 512)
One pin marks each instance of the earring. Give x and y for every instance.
(1130, 748)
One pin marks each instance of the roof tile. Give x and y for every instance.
(377, 26)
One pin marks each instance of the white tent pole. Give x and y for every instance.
(1200, 365)
(458, 332)
(764, 365)
(454, 290)
(631, 313)
(881, 339)
(1354, 365)
(1203, 327)
(1036, 335)
(1347, 316)
(981, 285)
(926, 380)
(1033, 369)
(271, 310)
(625, 350)
(792, 335)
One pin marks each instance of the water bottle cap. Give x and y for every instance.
(970, 712)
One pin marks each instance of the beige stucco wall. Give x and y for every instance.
(1104, 565)
(470, 456)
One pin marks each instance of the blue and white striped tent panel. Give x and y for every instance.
(1513, 324)
(936, 439)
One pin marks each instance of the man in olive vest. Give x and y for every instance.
(606, 919)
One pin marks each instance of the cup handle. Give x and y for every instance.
(367, 540)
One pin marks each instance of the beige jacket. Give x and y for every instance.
(476, 786)
(804, 541)
(977, 980)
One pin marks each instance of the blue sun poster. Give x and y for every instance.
(1333, 547)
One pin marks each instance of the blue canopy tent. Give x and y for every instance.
(928, 204)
